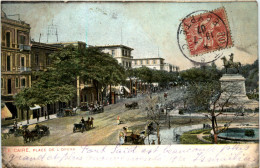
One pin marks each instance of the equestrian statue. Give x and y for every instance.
(230, 64)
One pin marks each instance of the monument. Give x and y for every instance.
(233, 87)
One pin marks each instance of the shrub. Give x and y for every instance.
(181, 111)
(249, 132)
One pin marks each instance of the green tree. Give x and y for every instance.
(102, 68)
(206, 96)
(24, 100)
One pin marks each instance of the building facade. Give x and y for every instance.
(15, 61)
(120, 52)
(168, 67)
(40, 55)
(153, 63)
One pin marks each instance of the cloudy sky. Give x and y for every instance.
(149, 28)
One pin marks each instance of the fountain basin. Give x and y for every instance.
(238, 134)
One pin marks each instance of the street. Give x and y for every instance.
(106, 129)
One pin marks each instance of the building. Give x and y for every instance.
(120, 52)
(15, 61)
(168, 67)
(153, 63)
(40, 55)
(39, 62)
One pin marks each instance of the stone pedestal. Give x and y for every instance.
(234, 89)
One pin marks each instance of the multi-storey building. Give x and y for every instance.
(15, 61)
(168, 67)
(40, 55)
(124, 57)
(120, 52)
(39, 62)
(153, 63)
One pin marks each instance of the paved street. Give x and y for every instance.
(106, 130)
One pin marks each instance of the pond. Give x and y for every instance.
(239, 134)
(168, 135)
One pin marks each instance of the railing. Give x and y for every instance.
(24, 47)
(25, 69)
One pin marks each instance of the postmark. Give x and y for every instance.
(203, 34)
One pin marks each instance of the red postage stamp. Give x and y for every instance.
(207, 32)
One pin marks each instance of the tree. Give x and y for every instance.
(206, 74)
(208, 96)
(151, 105)
(102, 68)
(24, 100)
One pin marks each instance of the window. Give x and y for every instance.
(123, 63)
(8, 40)
(22, 39)
(130, 64)
(8, 63)
(17, 82)
(22, 62)
(147, 61)
(154, 62)
(37, 59)
(113, 52)
(23, 82)
(2, 83)
(9, 86)
(126, 64)
(141, 62)
(47, 59)
(135, 62)
(123, 52)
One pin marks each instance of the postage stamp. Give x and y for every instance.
(203, 34)
(207, 32)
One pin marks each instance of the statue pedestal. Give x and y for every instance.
(234, 91)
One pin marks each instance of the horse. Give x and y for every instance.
(231, 64)
(91, 122)
(28, 136)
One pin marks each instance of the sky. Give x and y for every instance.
(149, 28)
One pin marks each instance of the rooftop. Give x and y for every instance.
(148, 58)
(114, 46)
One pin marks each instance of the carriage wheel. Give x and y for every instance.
(74, 129)
(48, 133)
(16, 134)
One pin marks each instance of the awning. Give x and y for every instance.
(5, 113)
(127, 89)
(35, 107)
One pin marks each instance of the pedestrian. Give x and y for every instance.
(15, 124)
(121, 138)
(118, 120)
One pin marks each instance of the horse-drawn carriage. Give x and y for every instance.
(68, 112)
(96, 109)
(131, 138)
(133, 105)
(84, 125)
(38, 132)
(17, 131)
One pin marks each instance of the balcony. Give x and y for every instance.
(25, 69)
(23, 47)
